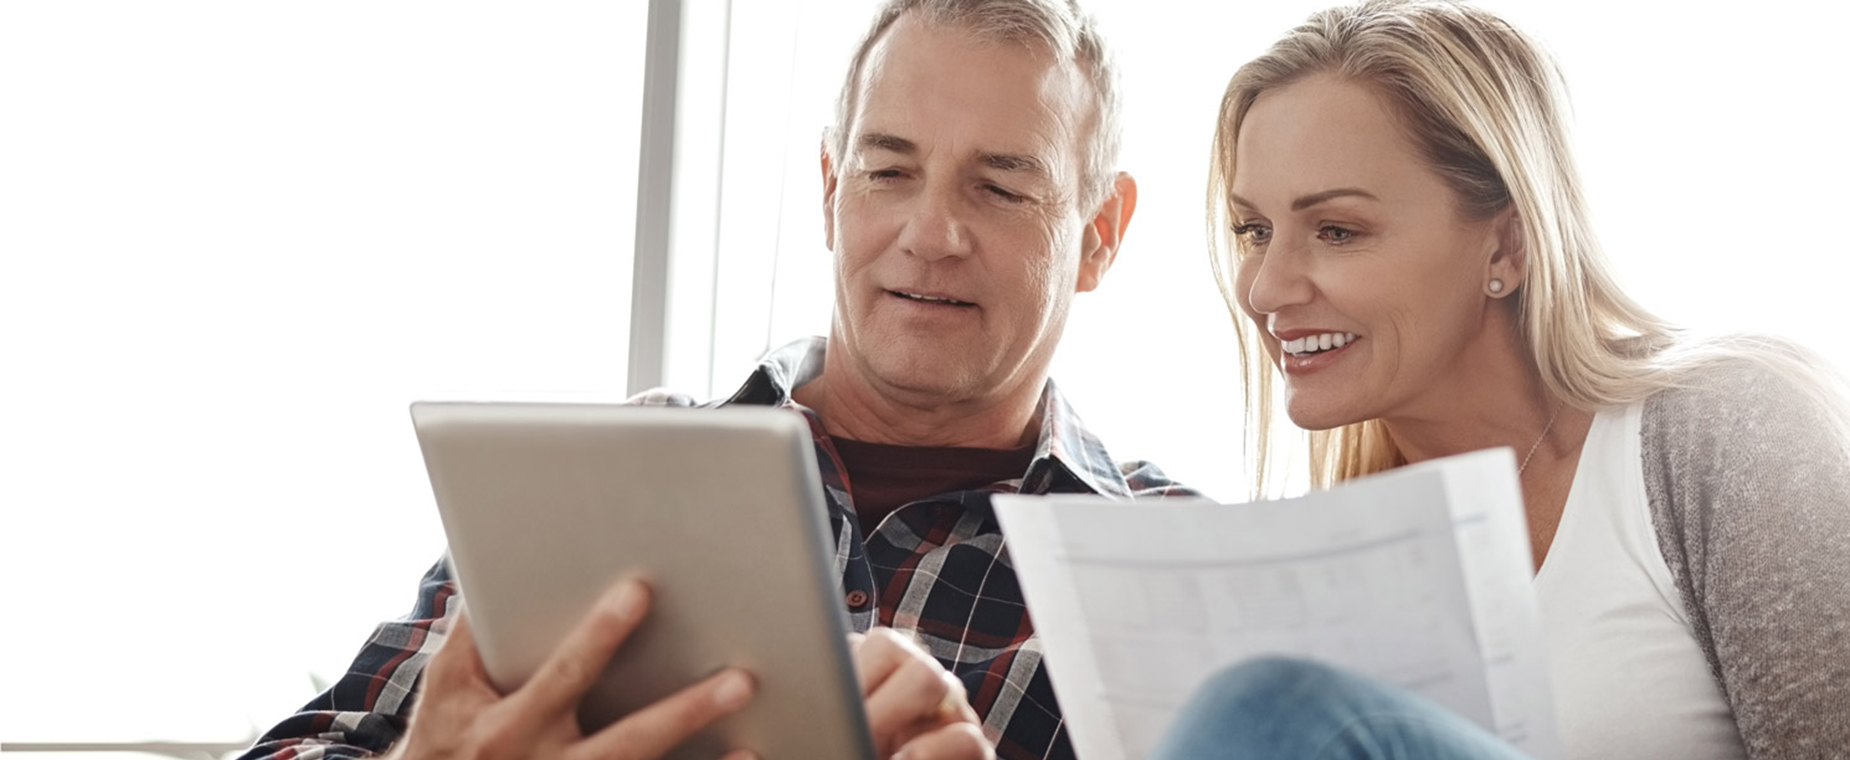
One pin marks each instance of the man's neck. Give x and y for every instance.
(851, 407)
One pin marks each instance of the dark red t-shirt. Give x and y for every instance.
(882, 477)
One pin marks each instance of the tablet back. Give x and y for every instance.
(720, 510)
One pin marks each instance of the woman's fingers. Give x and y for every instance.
(575, 665)
(654, 730)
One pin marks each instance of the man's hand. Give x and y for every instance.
(459, 713)
(916, 709)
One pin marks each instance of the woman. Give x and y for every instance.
(1408, 245)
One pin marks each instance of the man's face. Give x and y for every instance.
(954, 214)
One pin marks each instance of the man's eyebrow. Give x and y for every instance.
(1007, 162)
(1312, 199)
(1015, 162)
(886, 142)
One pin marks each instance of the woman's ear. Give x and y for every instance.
(1509, 255)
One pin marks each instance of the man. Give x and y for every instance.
(969, 192)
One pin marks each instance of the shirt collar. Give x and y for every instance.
(1068, 453)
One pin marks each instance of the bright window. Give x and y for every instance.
(239, 239)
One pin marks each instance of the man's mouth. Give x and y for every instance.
(1315, 344)
(923, 298)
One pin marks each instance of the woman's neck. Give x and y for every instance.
(1493, 397)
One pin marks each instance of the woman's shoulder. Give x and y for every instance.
(1746, 389)
(1747, 470)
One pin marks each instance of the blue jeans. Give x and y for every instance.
(1289, 709)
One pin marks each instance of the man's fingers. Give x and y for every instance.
(456, 661)
(958, 741)
(906, 691)
(577, 662)
(917, 697)
(878, 654)
(956, 705)
(654, 730)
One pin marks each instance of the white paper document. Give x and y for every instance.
(1420, 577)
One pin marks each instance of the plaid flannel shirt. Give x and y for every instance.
(935, 568)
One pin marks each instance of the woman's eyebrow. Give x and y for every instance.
(1313, 199)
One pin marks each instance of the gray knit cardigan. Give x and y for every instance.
(1749, 486)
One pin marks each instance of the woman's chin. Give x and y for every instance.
(1318, 416)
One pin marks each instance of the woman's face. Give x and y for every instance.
(1367, 284)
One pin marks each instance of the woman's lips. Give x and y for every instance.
(1304, 362)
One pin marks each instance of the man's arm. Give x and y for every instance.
(460, 714)
(370, 711)
(431, 654)
(366, 710)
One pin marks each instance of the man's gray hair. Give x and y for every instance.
(1069, 32)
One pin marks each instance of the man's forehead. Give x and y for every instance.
(998, 98)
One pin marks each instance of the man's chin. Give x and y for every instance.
(919, 381)
(933, 387)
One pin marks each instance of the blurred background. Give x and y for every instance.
(237, 239)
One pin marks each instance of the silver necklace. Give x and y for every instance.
(1540, 438)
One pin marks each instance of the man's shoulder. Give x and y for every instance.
(1148, 481)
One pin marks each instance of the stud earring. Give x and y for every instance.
(1496, 287)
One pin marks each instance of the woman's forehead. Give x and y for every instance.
(1321, 133)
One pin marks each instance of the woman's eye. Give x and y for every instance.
(1253, 234)
(1335, 235)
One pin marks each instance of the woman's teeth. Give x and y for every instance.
(1311, 344)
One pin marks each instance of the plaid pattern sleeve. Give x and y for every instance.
(937, 569)
(366, 710)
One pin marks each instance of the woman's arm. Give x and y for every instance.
(1749, 483)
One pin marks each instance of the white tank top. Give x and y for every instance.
(1629, 678)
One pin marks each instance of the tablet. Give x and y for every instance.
(720, 510)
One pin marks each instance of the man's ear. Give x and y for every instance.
(1509, 258)
(1106, 232)
(828, 196)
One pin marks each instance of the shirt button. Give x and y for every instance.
(857, 599)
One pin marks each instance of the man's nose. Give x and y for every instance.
(936, 228)
(1283, 279)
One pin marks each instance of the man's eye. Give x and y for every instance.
(1253, 234)
(1335, 235)
(1004, 194)
(883, 174)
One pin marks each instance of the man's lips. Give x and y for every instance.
(928, 297)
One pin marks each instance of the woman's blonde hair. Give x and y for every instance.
(1484, 104)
